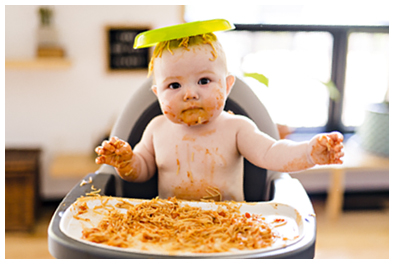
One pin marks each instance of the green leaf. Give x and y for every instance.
(332, 90)
(258, 76)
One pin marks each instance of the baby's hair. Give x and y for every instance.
(185, 42)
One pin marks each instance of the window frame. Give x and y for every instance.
(340, 34)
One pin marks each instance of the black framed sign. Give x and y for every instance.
(121, 56)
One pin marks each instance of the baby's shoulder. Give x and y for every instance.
(237, 120)
(157, 121)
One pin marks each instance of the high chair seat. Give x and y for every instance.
(259, 184)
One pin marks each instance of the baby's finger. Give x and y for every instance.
(338, 147)
(113, 140)
(326, 142)
(120, 144)
(338, 161)
(336, 136)
(100, 160)
(102, 151)
(108, 146)
(337, 158)
(110, 160)
(116, 142)
(99, 150)
(124, 148)
(340, 155)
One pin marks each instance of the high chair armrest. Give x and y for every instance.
(61, 246)
(100, 183)
(289, 191)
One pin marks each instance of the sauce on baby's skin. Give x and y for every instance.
(197, 191)
(196, 187)
(298, 163)
(195, 116)
(196, 113)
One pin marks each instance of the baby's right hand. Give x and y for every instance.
(114, 152)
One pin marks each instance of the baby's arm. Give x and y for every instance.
(137, 165)
(286, 155)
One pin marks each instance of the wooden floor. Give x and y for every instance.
(358, 234)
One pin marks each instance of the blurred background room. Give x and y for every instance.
(69, 70)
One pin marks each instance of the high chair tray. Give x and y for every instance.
(72, 225)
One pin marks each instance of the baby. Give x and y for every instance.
(197, 147)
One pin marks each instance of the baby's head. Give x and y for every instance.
(191, 79)
(187, 42)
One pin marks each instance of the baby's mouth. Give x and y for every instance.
(194, 115)
(192, 108)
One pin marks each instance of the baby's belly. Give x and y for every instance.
(223, 185)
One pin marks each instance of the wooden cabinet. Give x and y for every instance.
(21, 188)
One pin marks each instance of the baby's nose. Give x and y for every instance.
(190, 94)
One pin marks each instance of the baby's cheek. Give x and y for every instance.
(169, 112)
(165, 106)
(219, 98)
(215, 103)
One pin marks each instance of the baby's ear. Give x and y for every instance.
(154, 89)
(230, 80)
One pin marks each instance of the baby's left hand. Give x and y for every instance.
(327, 148)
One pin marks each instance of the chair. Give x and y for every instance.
(259, 184)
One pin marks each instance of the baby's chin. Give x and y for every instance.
(192, 117)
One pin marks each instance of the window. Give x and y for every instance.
(367, 71)
(299, 48)
(296, 64)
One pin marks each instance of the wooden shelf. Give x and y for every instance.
(69, 166)
(38, 64)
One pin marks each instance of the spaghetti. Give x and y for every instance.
(186, 42)
(84, 182)
(178, 227)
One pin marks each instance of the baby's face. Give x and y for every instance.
(191, 87)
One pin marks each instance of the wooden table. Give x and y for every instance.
(356, 159)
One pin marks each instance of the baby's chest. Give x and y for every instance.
(187, 153)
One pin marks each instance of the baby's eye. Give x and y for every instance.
(204, 81)
(174, 85)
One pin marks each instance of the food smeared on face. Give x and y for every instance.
(190, 79)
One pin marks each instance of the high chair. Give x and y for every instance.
(260, 185)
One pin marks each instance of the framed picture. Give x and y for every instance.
(121, 56)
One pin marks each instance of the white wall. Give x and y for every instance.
(66, 111)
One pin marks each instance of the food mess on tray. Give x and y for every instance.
(174, 227)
